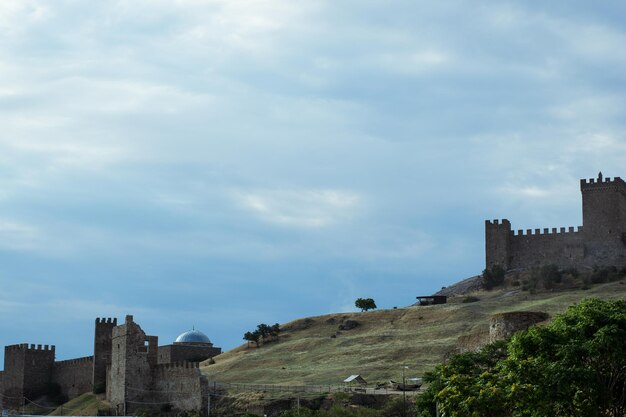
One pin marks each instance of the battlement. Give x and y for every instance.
(107, 320)
(601, 183)
(25, 347)
(601, 240)
(547, 232)
(496, 223)
(72, 362)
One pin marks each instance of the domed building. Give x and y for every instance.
(193, 337)
(190, 346)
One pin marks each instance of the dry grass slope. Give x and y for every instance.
(314, 351)
(84, 405)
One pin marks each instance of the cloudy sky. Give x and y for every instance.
(221, 163)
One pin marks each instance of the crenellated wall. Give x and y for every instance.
(27, 372)
(137, 382)
(523, 249)
(182, 385)
(600, 241)
(562, 247)
(125, 364)
(74, 376)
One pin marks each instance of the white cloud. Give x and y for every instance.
(300, 208)
(19, 236)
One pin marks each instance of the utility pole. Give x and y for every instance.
(404, 390)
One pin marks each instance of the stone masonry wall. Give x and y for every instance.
(133, 356)
(1, 386)
(27, 372)
(102, 351)
(182, 385)
(74, 376)
(186, 353)
(600, 241)
(504, 325)
(563, 248)
(38, 365)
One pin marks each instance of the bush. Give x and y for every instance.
(493, 277)
(550, 276)
(470, 299)
(599, 275)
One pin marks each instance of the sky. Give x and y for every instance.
(223, 163)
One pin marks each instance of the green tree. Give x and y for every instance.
(275, 330)
(252, 337)
(365, 304)
(493, 277)
(264, 330)
(466, 386)
(573, 367)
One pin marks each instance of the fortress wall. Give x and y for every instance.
(183, 385)
(102, 351)
(186, 353)
(1, 385)
(74, 376)
(562, 247)
(37, 370)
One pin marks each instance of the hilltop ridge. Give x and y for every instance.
(314, 350)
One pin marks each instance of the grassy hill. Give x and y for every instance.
(315, 351)
(84, 405)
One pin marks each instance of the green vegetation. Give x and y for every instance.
(365, 304)
(84, 405)
(574, 366)
(314, 351)
(393, 408)
(493, 277)
(264, 332)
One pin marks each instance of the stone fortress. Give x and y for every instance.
(601, 240)
(127, 365)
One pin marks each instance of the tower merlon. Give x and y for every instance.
(599, 182)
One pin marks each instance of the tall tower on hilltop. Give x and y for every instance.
(604, 219)
(498, 242)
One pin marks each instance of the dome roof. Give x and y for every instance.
(193, 336)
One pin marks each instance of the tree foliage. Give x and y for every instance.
(493, 277)
(573, 367)
(263, 333)
(365, 304)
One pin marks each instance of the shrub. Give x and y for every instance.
(550, 276)
(493, 277)
(470, 299)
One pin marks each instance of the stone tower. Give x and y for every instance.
(604, 219)
(28, 372)
(498, 242)
(102, 352)
(133, 356)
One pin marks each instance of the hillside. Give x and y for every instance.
(314, 351)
